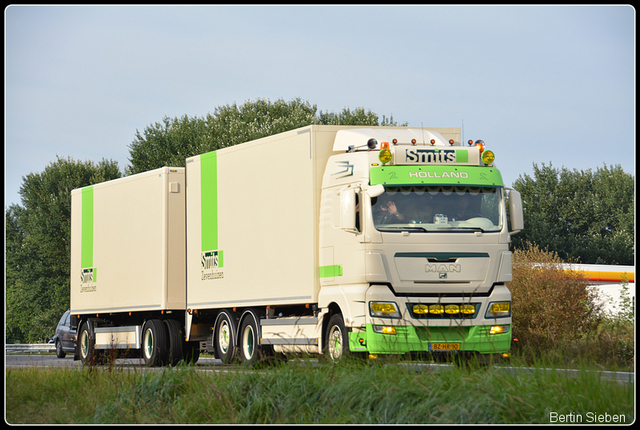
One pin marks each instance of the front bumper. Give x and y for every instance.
(430, 339)
(408, 332)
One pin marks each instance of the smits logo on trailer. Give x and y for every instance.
(211, 262)
(88, 279)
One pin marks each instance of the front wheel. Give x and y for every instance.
(337, 339)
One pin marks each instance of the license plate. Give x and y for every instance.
(444, 347)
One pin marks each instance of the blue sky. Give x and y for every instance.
(539, 84)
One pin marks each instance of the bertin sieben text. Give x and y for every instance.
(586, 418)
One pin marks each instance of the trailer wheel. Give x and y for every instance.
(249, 341)
(174, 330)
(155, 348)
(224, 337)
(337, 345)
(86, 348)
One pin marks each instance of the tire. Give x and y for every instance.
(175, 336)
(86, 348)
(155, 343)
(249, 341)
(59, 351)
(337, 339)
(225, 332)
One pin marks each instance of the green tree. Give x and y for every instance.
(581, 215)
(38, 246)
(170, 142)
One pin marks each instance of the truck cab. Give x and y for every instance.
(415, 244)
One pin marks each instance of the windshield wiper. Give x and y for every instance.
(464, 228)
(403, 228)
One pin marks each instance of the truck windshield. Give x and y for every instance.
(438, 209)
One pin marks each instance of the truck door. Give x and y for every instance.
(341, 236)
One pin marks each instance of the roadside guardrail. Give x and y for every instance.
(17, 348)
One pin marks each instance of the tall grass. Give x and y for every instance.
(299, 393)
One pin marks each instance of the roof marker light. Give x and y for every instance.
(451, 142)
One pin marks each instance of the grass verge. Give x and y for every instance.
(297, 392)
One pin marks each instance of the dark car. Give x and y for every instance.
(65, 337)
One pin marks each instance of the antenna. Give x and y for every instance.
(462, 138)
(422, 126)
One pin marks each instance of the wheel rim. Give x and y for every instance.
(335, 343)
(148, 343)
(224, 336)
(84, 344)
(248, 342)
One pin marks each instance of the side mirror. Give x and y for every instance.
(348, 209)
(516, 216)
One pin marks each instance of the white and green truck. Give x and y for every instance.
(332, 240)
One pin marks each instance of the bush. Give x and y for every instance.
(556, 317)
(550, 304)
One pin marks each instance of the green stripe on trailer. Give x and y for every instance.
(209, 200)
(86, 253)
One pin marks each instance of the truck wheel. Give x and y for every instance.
(249, 342)
(155, 348)
(337, 345)
(174, 330)
(59, 351)
(86, 348)
(224, 338)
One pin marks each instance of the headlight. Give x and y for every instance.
(384, 310)
(384, 329)
(498, 310)
(498, 329)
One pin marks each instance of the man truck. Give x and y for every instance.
(333, 240)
